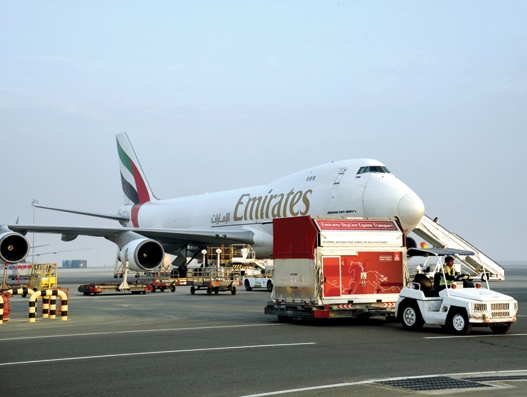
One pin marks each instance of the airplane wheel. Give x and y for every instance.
(233, 290)
(269, 286)
(410, 316)
(153, 288)
(247, 285)
(173, 288)
(457, 321)
(192, 290)
(500, 329)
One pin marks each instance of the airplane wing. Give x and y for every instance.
(114, 217)
(164, 236)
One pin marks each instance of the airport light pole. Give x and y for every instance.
(218, 251)
(204, 253)
(34, 203)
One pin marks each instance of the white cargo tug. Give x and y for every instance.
(459, 307)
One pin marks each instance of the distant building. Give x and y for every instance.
(74, 263)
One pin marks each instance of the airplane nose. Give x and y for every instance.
(389, 197)
(411, 210)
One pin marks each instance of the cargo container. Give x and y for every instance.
(325, 268)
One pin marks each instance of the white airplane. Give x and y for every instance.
(184, 226)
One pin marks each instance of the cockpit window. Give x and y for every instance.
(381, 169)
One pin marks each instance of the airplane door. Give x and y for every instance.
(331, 270)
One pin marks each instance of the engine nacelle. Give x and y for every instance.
(142, 254)
(13, 247)
(410, 243)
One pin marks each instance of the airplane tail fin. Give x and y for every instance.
(135, 185)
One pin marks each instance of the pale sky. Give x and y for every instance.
(226, 94)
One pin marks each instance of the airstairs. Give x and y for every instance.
(436, 235)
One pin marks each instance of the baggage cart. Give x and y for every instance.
(214, 279)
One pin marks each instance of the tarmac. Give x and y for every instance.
(176, 343)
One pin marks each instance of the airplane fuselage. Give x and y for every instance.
(330, 190)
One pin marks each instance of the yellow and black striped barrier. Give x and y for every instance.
(2, 297)
(47, 308)
(21, 291)
(4, 301)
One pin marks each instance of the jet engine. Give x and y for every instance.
(142, 254)
(13, 247)
(410, 243)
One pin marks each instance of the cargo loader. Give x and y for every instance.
(334, 268)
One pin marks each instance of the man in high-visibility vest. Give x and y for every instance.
(450, 273)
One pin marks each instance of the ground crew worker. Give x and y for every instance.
(450, 273)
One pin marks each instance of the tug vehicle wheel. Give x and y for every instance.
(457, 321)
(209, 291)
(247, 285)
(500, 329)
(192, 290)
(269, 286)
(233, 290)
(410, 316)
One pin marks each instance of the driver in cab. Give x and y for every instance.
(451, 275)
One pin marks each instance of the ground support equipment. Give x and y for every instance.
(290, 311)
(95, 289)
(214, 279)
(162, 280)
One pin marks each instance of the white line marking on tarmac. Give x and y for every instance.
(365, 382)
(51, 360)
(473, 336)
(138, 331)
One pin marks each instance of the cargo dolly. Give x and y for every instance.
(162, 280)
(214, 279)
(95, 289)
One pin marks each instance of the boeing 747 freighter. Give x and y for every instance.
(151, 227)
